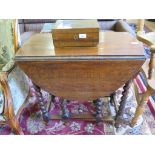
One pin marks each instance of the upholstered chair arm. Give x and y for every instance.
(8, 41)
(122, 26)
(8, 66)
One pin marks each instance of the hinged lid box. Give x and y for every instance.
(71, 33)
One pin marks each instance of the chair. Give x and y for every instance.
(148, 39)
(14, 89)
(148, 69)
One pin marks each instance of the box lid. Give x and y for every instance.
(70, 26)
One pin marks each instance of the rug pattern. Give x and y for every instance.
(32, 123)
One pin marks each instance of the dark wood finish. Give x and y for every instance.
(75, 33)
(86, 117)
(42, 104)
(99, 108)
(120, 112)
(81, 73)
(65, 111)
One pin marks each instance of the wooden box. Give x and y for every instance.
(70, 33)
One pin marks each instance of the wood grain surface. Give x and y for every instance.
(110, 44)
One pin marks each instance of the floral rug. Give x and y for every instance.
(32, 123)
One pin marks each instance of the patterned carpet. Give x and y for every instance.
(32, 123)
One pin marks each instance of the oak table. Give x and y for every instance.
(82, 73)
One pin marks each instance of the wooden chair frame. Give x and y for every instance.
(146, 39)
(8, 111)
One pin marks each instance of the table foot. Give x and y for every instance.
(99, 106)
(65, 111)
(119, 115)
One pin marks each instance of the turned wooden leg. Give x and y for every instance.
(99, 106)
(140, 107)
(151, 65)
(42, 104)
(65, 111)
(120, 112)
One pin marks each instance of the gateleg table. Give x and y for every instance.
(82, 73)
